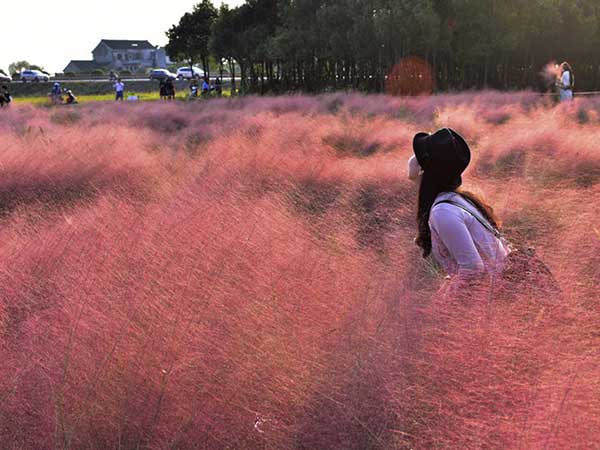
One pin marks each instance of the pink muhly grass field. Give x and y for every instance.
(241, 274)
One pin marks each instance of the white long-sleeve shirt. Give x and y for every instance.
(565, 80)
(566, 89)
(462, 245)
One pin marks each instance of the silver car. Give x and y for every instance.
(186, 73)
(34, 75)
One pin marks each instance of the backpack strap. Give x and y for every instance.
(483, 222)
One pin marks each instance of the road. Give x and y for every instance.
(105, 80)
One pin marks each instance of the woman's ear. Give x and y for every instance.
(414, 169)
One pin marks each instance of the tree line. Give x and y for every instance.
(320, 45)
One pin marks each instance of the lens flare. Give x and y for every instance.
(411, 76)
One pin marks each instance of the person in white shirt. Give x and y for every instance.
(454, 225)
(566, 82)
(120, 89)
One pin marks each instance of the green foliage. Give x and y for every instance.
(36, 67)
(189, 39)
(18, 66)
(98, 72)
(321, 44)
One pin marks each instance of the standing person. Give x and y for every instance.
(119, 89)
(5, 97)
(218, 87)
(170, 89)
(205, 87)
(566, 83)
(56, 94)
(459, 228)
(162, 89)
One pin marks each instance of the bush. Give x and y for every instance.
(125, 73)
(98, 72)
(70, 74)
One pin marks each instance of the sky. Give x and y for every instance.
(50, 33)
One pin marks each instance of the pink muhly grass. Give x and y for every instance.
(241, 274)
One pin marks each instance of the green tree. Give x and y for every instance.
(221, 42)
(189, 39)
(18, 66)
(315, 45)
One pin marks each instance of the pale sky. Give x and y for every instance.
(50, 33)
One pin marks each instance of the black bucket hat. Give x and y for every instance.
(443, 154)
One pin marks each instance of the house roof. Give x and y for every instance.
(85, 66)
(127, 45)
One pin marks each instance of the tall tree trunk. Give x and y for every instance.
(232, 74)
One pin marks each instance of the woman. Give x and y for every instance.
(461, 230)
(566, 82)
(458, 227)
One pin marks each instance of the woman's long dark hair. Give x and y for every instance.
(429, 189)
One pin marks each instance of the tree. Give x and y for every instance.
(189, 39)
(314, 45)
(223, 40)
(18, 66)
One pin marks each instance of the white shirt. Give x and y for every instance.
(462, 245)
(566, 81)
(119, 86)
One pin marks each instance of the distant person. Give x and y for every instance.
(205, 87)
(170, 89)
(162, 90)
(119, 89)
(194, 89)
(70, 98)
(56, 94)
(5, 97)
(459, 228)
(56, 89)
(566, 82)
(218, 87)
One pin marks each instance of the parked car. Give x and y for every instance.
(162, 74)
(186, 73)
(4, 78)
(34, 75)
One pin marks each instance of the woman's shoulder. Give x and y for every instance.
(445, 208)
(447, 200)
(450, 206)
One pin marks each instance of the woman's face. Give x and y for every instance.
(415, 173)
